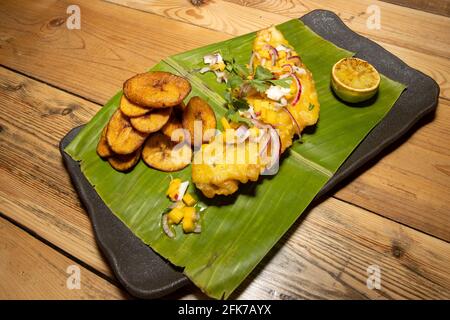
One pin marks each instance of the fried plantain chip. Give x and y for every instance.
(122, 138)
(156, 89)
(163, 154)
(152, 121)
(175, 123)
(198, 110)
(103, 149)
(131, 109)
(125, 162)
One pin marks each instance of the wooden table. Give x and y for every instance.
(395, 214)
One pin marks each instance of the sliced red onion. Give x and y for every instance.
(293, 120)
(299, 89)
(212, 58)
(205, 69)
(198, 228)
(282, 103)
(182, 190)
(282, 47)
(284, 76)
(259, 124)
(252, 57)
(264, 147)
(272, 133)
(165, 226)
(242, 133)
(295, 58)
(251, 112)
(291, 69)
(275, 146)
(244, 89)
(273, 53)
(220, 76)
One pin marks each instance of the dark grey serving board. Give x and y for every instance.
(147, 275)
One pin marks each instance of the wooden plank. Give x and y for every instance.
(324, 255)
(412, 183)
(29, 269)
(104, 55)
(417, 193)
(441, 7)
(36, 190)
(94, 61)
(98, 79)
(408, 28)
(235, 19)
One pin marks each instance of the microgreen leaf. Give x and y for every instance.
(235, 117)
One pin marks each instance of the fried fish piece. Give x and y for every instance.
(163, 154)
(103, 149)
(122, 138)
(131, 109)
(125, 162)
(157, 89)
(302, 105)
(152, 121)
(219, 167)
(198, 110)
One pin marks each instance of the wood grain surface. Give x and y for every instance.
(309, 251)
(418, 204)
(54, 79)
(29, 269)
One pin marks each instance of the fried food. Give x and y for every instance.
(125, 162)
(198, 111)
(122, 138)
(152, 121)
(156, 89)
(131, 109)
(103, 149)
(302, 104)
(218, 167)
(286, 111)
(163, 154)
(175, 123)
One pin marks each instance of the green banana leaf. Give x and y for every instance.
(239, 230)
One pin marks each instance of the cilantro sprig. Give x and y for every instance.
(240, 80)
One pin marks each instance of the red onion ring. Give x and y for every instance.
(296, 58)
(293, 120)
(165, 226)
(299, 89)
(291, 69)
(273, 53)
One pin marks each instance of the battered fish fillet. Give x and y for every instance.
(288, 114)
(306, 110)
(218, 167)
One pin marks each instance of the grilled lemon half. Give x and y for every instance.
(354, 80)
